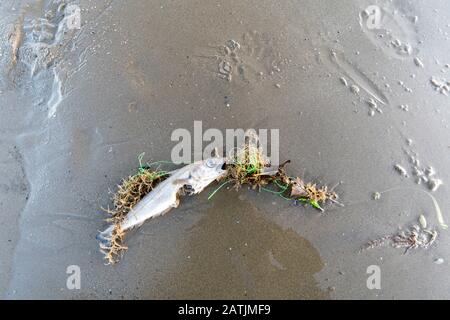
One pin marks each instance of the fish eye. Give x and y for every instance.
(210, 163)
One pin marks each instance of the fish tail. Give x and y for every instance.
(110, 242)
(105, 237)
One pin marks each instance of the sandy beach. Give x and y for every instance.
(359, 103)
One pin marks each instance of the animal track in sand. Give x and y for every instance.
(356, 80)
(395, 33)
(250, 59)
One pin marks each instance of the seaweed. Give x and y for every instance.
(248, 166)
(132, 190)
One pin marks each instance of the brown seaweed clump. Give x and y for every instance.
(247, 167)
(128, 194)
(250, 167)
(311, 193)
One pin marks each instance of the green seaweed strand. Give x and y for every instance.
(220, 187)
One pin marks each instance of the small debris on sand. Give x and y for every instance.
(373, 107)
(418, 62)
(423, 221)
(442, 86)
(425, 175)
(413, 238)
(401, 170)
(343, 81)
(354, 89)
(429, 171)
(404, 107)
(439, 261)
(434, 184)
(404, 49)
(376, 196)
(404, 86)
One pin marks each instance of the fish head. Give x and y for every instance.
(212, 168)
(205, 172)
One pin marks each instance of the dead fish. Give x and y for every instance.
(189, 180)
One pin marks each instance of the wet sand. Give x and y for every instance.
(78, 106)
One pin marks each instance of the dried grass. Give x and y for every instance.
(248, 167)
(128, 194)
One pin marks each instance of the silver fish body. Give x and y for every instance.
(192, 178)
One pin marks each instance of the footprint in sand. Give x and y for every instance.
(249, 59)
(390, 30)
